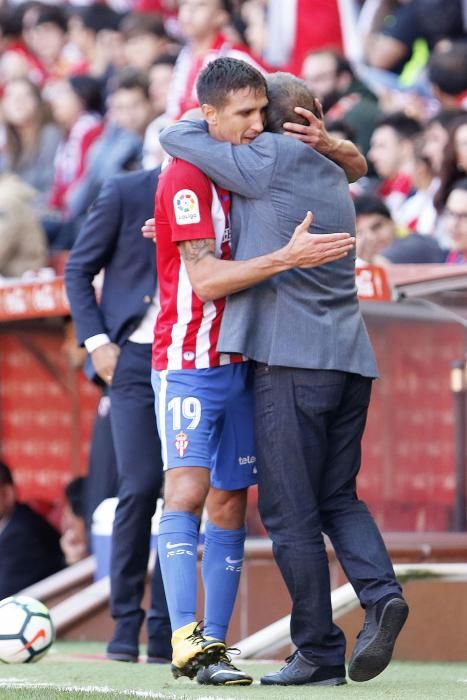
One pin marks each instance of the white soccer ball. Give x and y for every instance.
(26, 630)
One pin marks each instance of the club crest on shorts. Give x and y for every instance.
(181, 443)
(186, 207)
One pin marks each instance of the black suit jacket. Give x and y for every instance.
(111, 238)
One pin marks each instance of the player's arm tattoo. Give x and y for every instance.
(194, 251)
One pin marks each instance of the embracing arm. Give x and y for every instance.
(245, 170)
(314, 134)
(212, 278)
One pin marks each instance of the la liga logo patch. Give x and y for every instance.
(186, 207)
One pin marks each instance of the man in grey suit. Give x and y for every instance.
(314, 370)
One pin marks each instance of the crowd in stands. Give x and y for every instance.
(86, 88)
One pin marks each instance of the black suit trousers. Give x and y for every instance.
(139, 465)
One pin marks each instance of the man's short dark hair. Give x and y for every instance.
(405, 127)
(447, 68)
(225, 75)
(285, 92)
(6, 477)
(371, 204)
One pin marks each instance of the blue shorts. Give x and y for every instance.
(205, 419)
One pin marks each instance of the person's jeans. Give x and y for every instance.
(309, 425)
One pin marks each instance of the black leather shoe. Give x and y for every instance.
(299, 671)
(375, 642)
(124, 644)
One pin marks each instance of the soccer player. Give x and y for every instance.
(203, 398)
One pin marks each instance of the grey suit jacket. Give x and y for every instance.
(306, 318)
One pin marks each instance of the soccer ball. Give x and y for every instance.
(26, 630)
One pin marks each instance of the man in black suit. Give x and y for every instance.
(118, 332)
(29, 545)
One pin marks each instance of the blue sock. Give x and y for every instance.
(222, 565)
(177, 545)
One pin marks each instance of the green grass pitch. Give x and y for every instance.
(76, 671)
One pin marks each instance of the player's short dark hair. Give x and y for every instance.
(285, 92)
(371, 204)
(225, 75)
(447, 68)
(405, 127)
(6, 477)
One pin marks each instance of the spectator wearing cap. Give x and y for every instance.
(377, 241)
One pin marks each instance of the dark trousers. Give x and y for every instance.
(309, 425)
(139, 464)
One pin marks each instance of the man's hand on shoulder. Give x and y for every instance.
(307, 249)
(104, 360)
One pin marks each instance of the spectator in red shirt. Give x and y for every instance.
(16, 59)
(392, 155)
(202, 23)
(76, 107)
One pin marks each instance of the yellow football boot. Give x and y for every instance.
(192, 650)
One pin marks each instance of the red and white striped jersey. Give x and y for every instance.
(188, 207)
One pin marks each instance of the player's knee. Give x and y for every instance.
(227, 508)
(186, 492)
